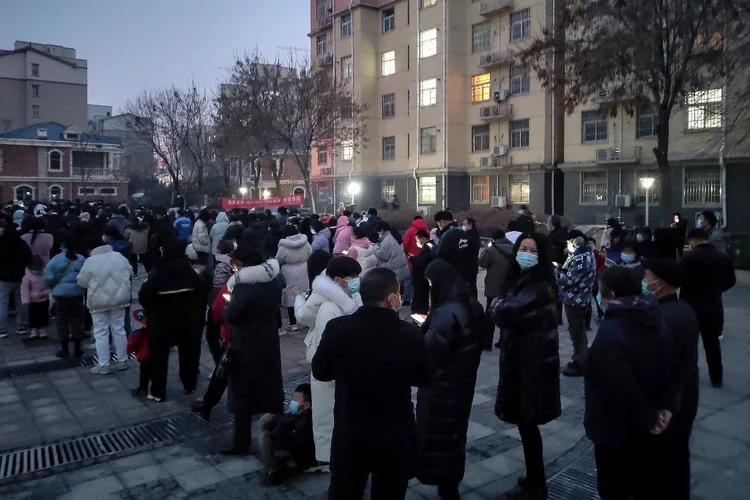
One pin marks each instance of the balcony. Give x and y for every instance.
(495, 59)
(494, 161)
(491, 7)
(617, 156)
(324, 172)
(94, 173)
(325, 59)
(325, 21)
(496, 112)
(615, 93)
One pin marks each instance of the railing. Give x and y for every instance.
(91, 173)
(325, 59)
(615, 155)
(495, 59)
(325, 21)
(496, 112)
(495, 161)
(492, 6)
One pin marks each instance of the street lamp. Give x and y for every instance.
(266, 194)
(647, 183)
(243, 191)
(354, 188)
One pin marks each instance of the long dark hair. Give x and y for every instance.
(540, 272)
(70, 243)
(35, 226)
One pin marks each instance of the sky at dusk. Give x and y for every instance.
(133, 45)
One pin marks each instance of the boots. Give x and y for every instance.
(242, 437)
(78, 352)
(64, 352)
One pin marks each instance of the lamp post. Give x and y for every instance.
(243, 191)
(266, 194)
(647, 183)
(354, 188)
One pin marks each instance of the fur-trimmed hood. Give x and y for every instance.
(263, 273)
(294, 241)
(327, 290)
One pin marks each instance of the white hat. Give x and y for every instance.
(40, 210)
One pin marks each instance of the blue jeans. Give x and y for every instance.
(22, 317)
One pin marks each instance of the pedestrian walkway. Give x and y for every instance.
(42, 408)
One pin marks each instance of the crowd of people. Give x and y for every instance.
(345, 279)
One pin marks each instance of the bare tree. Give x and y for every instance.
(646, 53)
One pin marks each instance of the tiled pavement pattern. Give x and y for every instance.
(42, 408)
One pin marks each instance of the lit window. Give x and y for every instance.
(346, 67)
(55, 192)
(389, 105)
(519, 188)
(520, 25)
(35, 91)
(428, 190)
(594, 126)
(347, 150)
(427, 3)
(35, 111)
(389, 148)
(480, 189)
(480, 138)
(480, 37)
(480, 88)
(519, 133)
(704, 109)
(654, 192)
(520, 81)
(34, 69)
(428, 140)
(594, 188)
(701, 186)
(388, 63)
(346, 26)
(388, 189)
(389, 20)
(428, 43)
(24, 193)
(428, 92)
(55, 161)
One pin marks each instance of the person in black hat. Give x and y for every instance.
(663, 277)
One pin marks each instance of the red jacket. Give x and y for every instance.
(410, 239)
(138, 344)
(217, 308)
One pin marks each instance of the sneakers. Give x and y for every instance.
(22, 331)
(34, 333)
(151, 397)
(121, 366)
(282, 332)
(3, 335)
(292, 328)
(41, 333)
(101, 370)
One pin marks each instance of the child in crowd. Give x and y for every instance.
(286, 441)
(138, 344)
(35, 296)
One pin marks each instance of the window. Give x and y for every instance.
(389, 148)
(428, 92)
(24, 193)
(346, 26)
(85, 190)
(704, 109)
(427, 3)
(480, 138)
(389, 20)
(428, 43)
(34, 69)
(321, 44)
(520, 25)
(107, 191)
(388, 189)
(35, 111)
(480, 188)
(322, 156)
(519, 188)
(320, 9)
(519, 133)
(55, 193)
(594, 126)
(594, 188)
(54, 161)
(389, 105)
(346, 67)
(654, 193)
(701, 186)
(428, 140)
(388, 63)
(480, 87)
(346, 109)
(428, 190)
(645, 125)
(347, 150)
(35, 91)
(480, 37)
(520, 81)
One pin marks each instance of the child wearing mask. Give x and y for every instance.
(630, 259)
(35, 296)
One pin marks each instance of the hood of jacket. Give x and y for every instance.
(222, 217)
(118, 245)
(504, 246)
(342, 221)
(641, 313)
(361, 242)
(102, 250)
(419, 224)
(262, 273)
(294, 241)
(328, 290)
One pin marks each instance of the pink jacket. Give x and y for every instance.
(342, 240)
(33, 288)
(42, 246)
(361, 243)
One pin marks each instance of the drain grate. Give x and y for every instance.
(577, 481)
(20, 463)
(53, 365)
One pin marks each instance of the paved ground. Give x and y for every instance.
(36, 409)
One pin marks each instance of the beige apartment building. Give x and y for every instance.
(452, 122)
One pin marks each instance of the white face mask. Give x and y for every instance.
(400, 303)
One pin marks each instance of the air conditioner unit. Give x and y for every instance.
(498, 202)
(500, 95)
(623, 201)
(41, 133)
(485, 162)
(500, 151)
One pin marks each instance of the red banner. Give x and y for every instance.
(295, 200)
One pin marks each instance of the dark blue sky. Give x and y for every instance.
(132, 45)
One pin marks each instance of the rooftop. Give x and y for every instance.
(57, 132)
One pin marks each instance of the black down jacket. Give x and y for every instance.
(529, 388)
(453, 337)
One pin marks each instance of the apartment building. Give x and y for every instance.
(452, 122)
(42, 83)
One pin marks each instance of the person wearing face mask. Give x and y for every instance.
(334, 294)
(708, 222)
(630, 258)
(528, 392)
(662, 280)
(375, 358)
(390, 253)
(644, 242)
(290, 436)
(678, 226)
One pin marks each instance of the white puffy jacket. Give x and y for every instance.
(106, 276)
(200, 238)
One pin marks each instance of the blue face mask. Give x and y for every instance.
(294, 407)
(645, 291)
(699, 224)
(599, 301)
(527, 260)
(627, 258)
(352, 286)
(640, 238)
